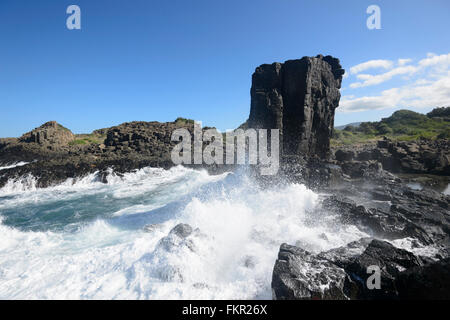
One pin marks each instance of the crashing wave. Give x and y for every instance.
(17, 164)
(95, 245)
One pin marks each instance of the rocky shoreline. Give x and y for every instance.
(54, 153)
(423, 156)
(359, 184)
(386, 209)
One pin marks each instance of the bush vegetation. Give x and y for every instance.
(402, 125)
(182, 121)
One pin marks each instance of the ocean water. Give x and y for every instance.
(85, 239)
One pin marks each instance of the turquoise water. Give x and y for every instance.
(69, 207)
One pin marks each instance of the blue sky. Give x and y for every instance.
(160, 59)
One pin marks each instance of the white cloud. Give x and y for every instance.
(425, 83)
(402, 62)
(435, 60)
(370, 80)
(422, 93)
(371, 64)
(383, 101)
(437, 65)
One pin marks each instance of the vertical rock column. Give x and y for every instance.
(298, 97)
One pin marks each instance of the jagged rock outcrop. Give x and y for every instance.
(56, 154)
(384, 208)
(299, 274)
(342, 273)
(48, 141)
(50, 133)
(422, 156)
(299, 98)
(391, 210)
(144, 137)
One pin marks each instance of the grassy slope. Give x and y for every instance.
(82, 139)
(402, 125)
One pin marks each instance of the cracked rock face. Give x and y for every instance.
(342, 273)
(421, 157)
(50, 133)
(298, 274)
(299, 98)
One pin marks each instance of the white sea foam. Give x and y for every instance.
(18, 164)
(447, 190)
(414, 246)
(19, 185)
(128, 185)
(231, 256)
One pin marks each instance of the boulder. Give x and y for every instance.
(177, 238)
(300, 275)
(182, 230)
(343, 273)
(343, 155)
(390, 260)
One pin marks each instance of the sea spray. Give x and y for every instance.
(17, 164)
(18, 185)
(86, 240)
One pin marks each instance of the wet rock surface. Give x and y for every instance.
(177, 238)
(343, 273)
(298, 274)
(384, 207)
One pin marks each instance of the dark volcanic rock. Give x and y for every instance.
(342, 155)
(342, 273)
(144, 137)
(431, 282)
(390, 260)
(299, 274)
(297, 97)
(178, 237)
(45, 142)
(393, 211)
(182, 230)
(422, 156)
(54, 157)
(50, 133)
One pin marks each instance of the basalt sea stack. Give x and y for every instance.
(298, 97)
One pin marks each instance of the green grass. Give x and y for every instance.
(402, 125)
(84, 139)
(77, 142)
